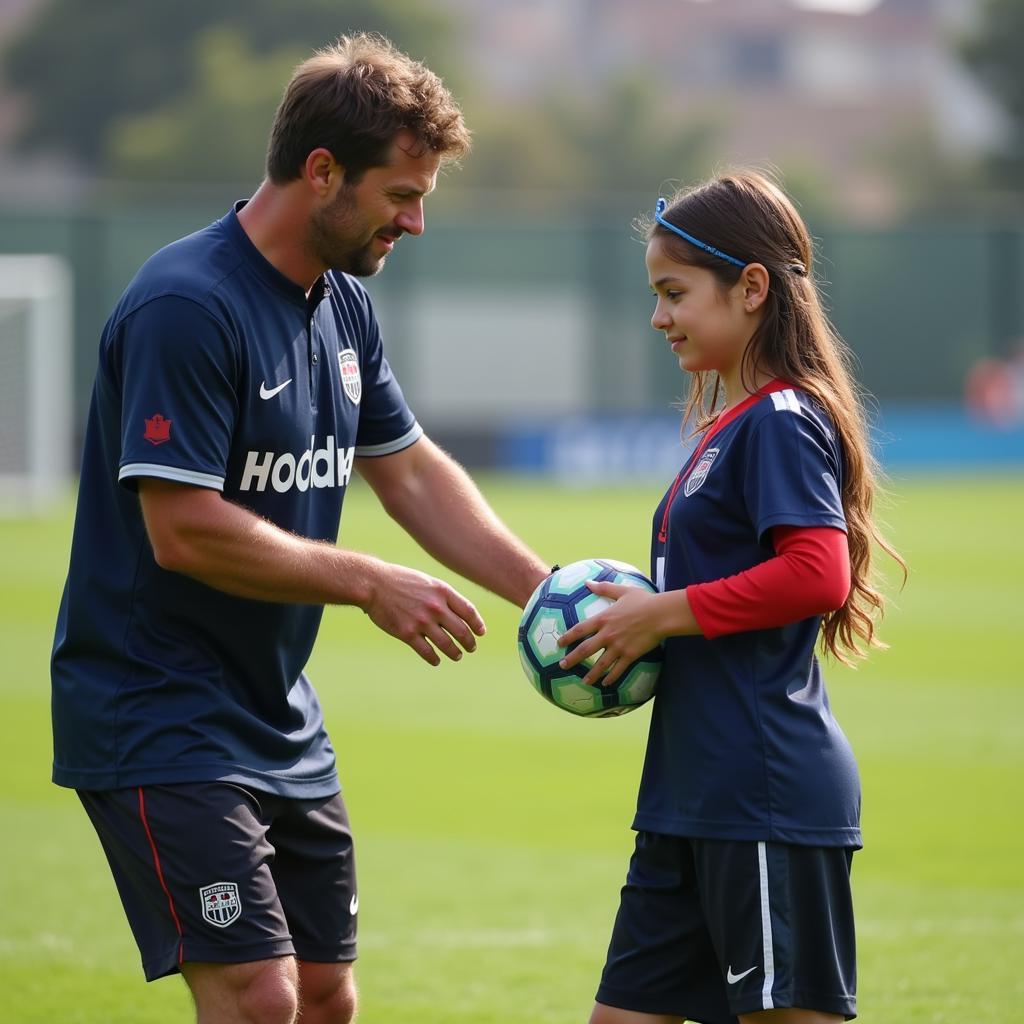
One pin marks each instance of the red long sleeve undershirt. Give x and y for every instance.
(809, 575)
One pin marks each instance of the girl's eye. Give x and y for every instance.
(673, 295)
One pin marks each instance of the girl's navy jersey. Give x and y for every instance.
(742, 742)
(216, 371)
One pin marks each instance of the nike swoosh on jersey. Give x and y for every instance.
(733, 978)
(266, 392)
(353, 905)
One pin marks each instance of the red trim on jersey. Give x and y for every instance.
(809, 575)
(160, 875)
(723, 420)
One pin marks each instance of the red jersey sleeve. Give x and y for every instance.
(809, 575)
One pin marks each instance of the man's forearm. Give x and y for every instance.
(197, 533)
(441, 507)
(225, 546)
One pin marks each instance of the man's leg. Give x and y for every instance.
(327, 993)
(314, 870)
(261, 992)
(192, 866)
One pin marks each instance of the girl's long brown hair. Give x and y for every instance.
(744, 213)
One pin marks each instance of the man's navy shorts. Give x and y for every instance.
(213, 872)
(709, 929)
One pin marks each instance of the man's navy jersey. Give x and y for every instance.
(742, 742)
(215, 370)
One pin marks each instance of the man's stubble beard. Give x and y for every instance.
(331, 242)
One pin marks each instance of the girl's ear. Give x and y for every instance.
(754, 283)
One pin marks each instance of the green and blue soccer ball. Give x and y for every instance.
(561, 601)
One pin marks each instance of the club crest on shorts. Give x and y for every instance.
(221, 903)
(348, 364)
(700, 472)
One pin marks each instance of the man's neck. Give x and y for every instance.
(277, 224)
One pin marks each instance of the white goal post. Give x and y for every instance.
(36, 381)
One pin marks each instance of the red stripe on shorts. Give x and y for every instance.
(160, 875)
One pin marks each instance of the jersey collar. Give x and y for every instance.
(738, 410)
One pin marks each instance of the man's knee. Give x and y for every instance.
(271, 997)
(262, 992)
(327, 993)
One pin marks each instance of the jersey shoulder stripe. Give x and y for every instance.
(786, 401)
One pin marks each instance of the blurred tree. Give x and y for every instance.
(994, 54)
(83, 65)
(925, 177)
(216, 130)
(631, 137)
(518, 147)
(622, 138)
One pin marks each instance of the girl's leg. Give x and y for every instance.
(613, 1015)
(791, 1016)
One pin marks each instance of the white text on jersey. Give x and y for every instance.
(329, 466)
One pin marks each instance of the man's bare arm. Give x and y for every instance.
(433, 498)
(195, 531)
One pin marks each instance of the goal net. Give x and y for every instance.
(35, 382)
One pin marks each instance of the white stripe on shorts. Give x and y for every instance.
(766, 929)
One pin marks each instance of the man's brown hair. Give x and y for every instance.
(353, 98)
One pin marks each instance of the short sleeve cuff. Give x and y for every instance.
(414, 433)
(132, 470)
(807, 520)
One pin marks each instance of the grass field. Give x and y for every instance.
(493, 830)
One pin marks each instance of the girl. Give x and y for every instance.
(737, 900)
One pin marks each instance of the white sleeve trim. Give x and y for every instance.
(414, 433)
(181, 476)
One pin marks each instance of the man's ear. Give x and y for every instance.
(754, 282)
(321, 171)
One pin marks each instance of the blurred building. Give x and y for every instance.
(836, 93)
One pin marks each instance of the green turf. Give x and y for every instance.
(493, 830)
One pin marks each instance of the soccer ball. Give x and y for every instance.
(561, 601)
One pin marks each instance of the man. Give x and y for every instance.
(240, 381)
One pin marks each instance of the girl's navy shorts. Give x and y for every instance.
(708, 929)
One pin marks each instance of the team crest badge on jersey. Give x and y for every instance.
(221, 903)
(158, 429)
(348, 364)
(700, 472)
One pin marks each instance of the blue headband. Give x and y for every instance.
(659, 209)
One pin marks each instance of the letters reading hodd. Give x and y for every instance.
(329, 466)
